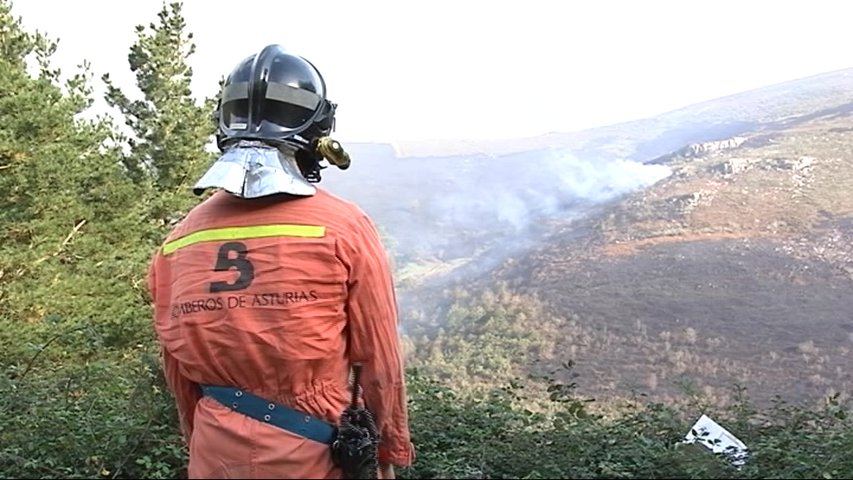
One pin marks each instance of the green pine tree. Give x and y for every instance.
(75, 239)
(169, 128)
(71, 222)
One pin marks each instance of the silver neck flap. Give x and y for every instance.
(252, 169)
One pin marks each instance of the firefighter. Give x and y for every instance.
(270, 289)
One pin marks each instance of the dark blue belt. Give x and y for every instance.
(273, 413)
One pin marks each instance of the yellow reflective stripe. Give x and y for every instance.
(243, 233)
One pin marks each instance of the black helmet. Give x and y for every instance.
(274, 96)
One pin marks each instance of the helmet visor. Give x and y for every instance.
(285, 110)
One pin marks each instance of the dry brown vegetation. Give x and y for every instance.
(737, 270)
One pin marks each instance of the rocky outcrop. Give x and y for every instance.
(696, 150)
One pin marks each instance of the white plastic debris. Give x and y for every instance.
(714, 437)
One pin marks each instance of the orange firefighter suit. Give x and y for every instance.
(277, 298)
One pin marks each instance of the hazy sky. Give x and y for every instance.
(466, 69)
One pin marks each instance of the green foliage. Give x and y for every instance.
(73, 232)
(107, 417)
(169, 130)
(76, 236)
(460, 437)
(112, 418)
(487, 339)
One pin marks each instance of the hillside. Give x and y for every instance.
(735, 269)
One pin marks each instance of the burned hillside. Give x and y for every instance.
(736, 269)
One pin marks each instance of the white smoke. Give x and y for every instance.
(543, 186)
(491, 207)
(600, 182)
